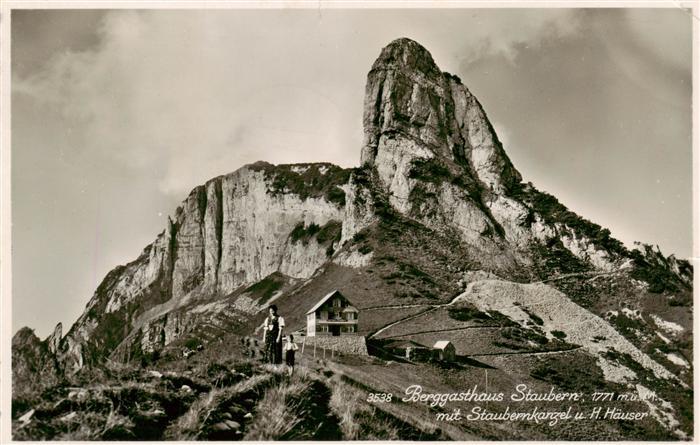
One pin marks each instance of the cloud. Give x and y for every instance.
(190, 95)
(513, 29)
(182, 91)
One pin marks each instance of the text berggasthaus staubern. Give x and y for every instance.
(570, 405)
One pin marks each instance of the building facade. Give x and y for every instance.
(410, 350)
(444, 350)
(332, 315)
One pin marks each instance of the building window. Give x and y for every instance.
(336, 302)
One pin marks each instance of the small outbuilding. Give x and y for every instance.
(409, 349)
(445, 351)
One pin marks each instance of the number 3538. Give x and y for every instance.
(379, 397)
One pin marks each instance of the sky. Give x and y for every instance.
(117, 114)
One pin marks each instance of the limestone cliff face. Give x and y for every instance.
(232, 231)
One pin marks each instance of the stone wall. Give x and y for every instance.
(348, 344)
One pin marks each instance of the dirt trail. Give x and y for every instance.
(557, 351)
(593, 276)
(468, 289)
(395, 306)
(410, 317)
(463, 328)
(431, 307)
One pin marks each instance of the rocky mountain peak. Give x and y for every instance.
(33, 364)
(25, 337)
(414, 111)
(406, 54)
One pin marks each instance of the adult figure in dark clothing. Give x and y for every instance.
(272, 336)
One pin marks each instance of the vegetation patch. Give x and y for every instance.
(193, 343)
(328, 234)
(264, 289)
(303, 233)
(653, 268)
(510, 345)
(470, 313)
(524, 335)
(537, 320)
(365, 249)
(430, 170)
(319, 180)
(578, 372)
(552, 259)
(561, 335)
(554, 212)
(626, 325)
(669, 390)
(408, 273)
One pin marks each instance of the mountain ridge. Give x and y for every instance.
(205, 201)
(435, 202)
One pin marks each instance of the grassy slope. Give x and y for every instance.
(216, 394)
(410, 265)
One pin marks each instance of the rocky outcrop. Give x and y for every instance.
(435, 151)
(33, 364)
(439, 160)
(54, 340)
(413, 110)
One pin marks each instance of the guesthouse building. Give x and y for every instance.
(332, 315)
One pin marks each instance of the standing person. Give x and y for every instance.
(289, 348)
(272, 336)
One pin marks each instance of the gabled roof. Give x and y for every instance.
(398, 344)
(324, 299)
(442, 344)
(350, 309)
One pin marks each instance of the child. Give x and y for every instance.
(289, 349)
